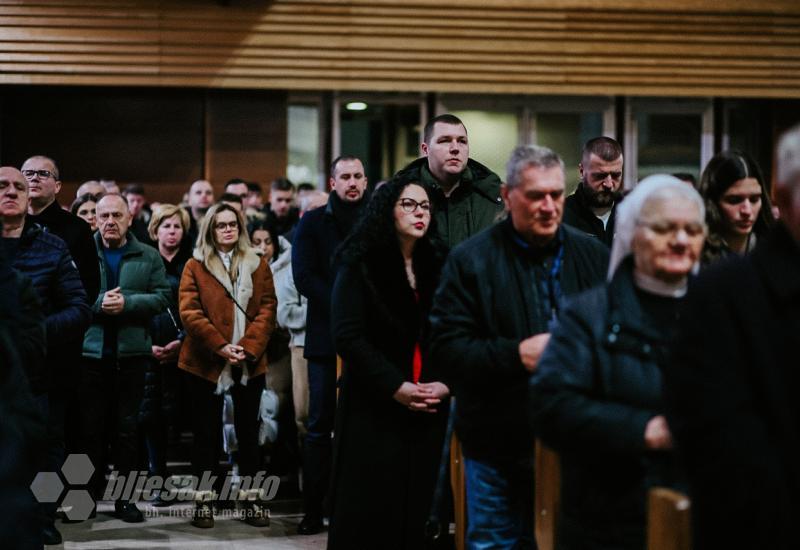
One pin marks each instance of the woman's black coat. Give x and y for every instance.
(597, 386)
(385, 456)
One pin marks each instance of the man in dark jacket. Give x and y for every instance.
(281, 211)
(45, 259)
(500, 291)
(319, 233)
(466, 194)
(22, 426)
(42, 174)
(118, 345)
(732, 391)
(592, 206)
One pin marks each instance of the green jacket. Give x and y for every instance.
(473, 206)
(144, 285)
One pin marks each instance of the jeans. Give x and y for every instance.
(500, 509)
(317, 454)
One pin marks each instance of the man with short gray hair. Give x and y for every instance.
(117, 346)
(491, 318)
(733, 386)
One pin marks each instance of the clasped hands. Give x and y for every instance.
(113, 302)
(233, 354)
(422, 396)
(168, 353)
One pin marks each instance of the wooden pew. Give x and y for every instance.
(547, 494)
(459, 487)
(547, 474)
(668, 520)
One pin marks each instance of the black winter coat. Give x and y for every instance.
(315, 242)
(385, 456)
(596, 387)
(159, 397)
(483, 309)
(732, 396)
(579, 215)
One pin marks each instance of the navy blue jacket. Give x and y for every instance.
(21, 315)
(77, 234)
(45, 260)
(315, 241)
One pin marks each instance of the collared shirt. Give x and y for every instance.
(227, 259)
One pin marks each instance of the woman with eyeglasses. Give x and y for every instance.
(392, 407)
(227, 305)
(596, 396)
(738, 209)
(85, 207)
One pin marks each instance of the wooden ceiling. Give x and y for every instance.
(726, 48)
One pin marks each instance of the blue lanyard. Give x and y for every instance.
(554, 284)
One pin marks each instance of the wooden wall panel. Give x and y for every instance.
(164, 139)
(245, 138)
(721, 48)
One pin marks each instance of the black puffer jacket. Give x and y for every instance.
(597, 386)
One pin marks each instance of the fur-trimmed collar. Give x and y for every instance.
(248, 264)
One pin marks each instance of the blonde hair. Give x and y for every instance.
(206, 247)
(162, 213)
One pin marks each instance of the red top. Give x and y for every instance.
(417, 365)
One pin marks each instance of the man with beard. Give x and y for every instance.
(591, 207)
(318, 235)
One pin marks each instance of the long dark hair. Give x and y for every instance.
(273, 235)
(722, 171)
(375, 231)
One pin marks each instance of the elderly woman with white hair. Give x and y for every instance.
(596, 396)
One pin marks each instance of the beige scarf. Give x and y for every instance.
(242, 291)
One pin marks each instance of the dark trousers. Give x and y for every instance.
(317, 453)
(207, 425)
(112, 398)
(52, 410)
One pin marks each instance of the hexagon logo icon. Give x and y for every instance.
(77, 469)
(47, 487)
(78, 504)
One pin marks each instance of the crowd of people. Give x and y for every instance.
(644, 336)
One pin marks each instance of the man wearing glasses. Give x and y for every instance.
(42, 176)
(591, 207)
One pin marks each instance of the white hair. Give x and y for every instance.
(655, 187)
(789, 157)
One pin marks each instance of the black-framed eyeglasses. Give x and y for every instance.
(222, 226)
(43, 174)
(410, 205)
